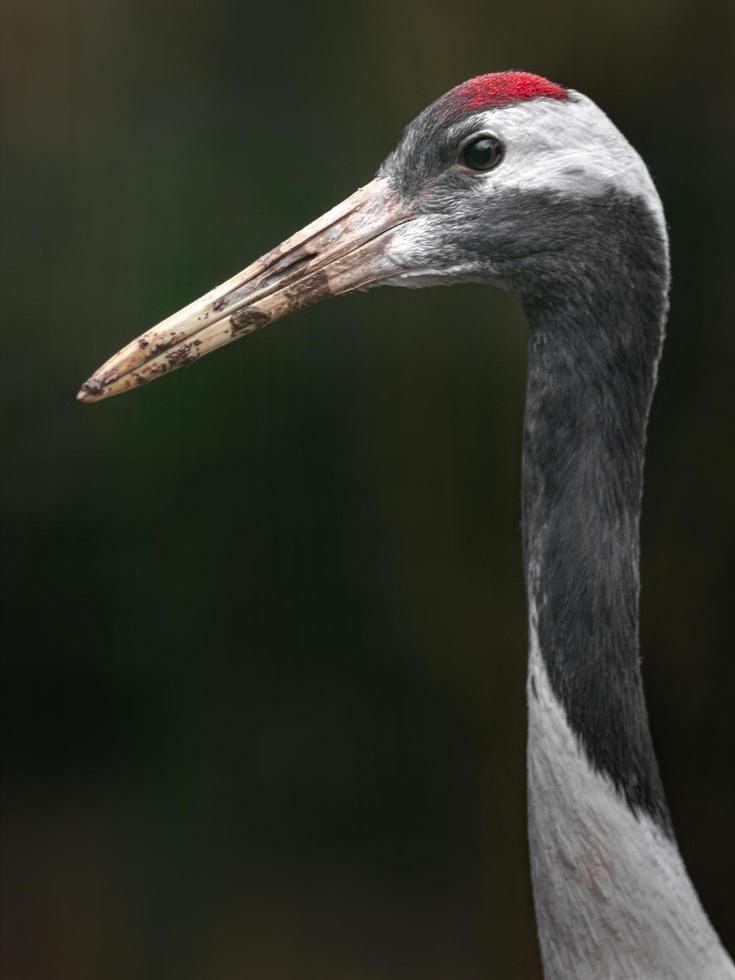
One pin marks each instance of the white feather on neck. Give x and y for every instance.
(613, 899)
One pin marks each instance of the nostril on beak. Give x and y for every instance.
(280, 272)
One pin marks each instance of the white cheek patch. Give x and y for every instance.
(418, 260)
(568, 147)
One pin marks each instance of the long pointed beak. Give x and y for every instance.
(347, 248)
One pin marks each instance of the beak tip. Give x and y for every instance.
(89, 392)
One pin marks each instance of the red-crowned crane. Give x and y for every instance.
(513, 180)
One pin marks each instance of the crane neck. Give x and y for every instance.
(612, 896)
(592, 365)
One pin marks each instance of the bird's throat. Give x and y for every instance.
(612, 896)
(594, 343)
(586, 413)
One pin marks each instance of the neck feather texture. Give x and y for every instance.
(612, 896)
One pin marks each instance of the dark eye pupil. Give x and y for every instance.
(483, 154)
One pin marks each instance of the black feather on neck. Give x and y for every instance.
(596, 328)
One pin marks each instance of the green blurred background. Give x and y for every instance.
(263, 621)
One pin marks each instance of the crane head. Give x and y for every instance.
(508, 178)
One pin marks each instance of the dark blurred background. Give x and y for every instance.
(263, 621)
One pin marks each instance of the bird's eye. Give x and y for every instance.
(483, 153)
